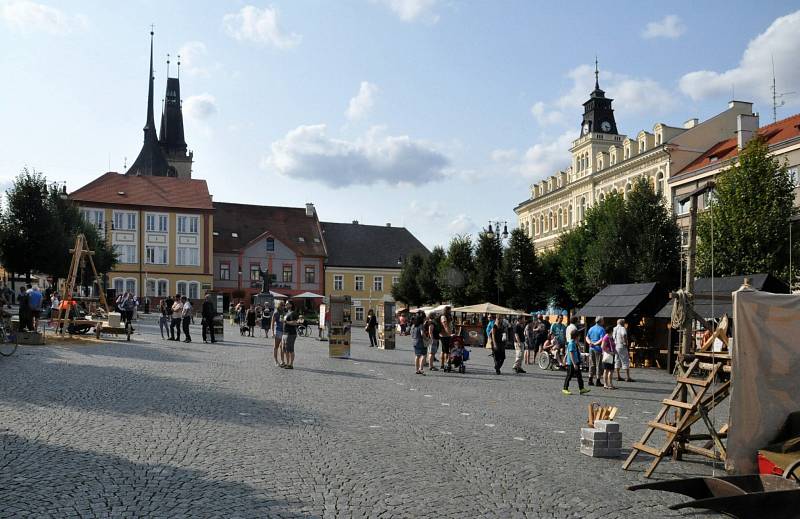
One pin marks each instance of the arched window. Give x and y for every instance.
(541, 224)
(569, 216)
(627, 189)
(270, 244)
(552, 219)
(194, 290)
(180, 288)
(560, 218)
(602, 196)
(660, 183)
(582, 209)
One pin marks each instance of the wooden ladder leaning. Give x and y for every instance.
(698, 402)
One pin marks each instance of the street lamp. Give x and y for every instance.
(490, 233)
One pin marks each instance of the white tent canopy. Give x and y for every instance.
(487, 308)
(277, 295)
(307, 295)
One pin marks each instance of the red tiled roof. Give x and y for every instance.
(165, 192)
(774, 133)
(248, 222)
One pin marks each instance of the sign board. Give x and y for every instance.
(386, 331)
(219, 303)
(323, 323)
(357, 302)
(340, 325)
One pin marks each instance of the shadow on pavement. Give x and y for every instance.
(52, 480)
(336, 373)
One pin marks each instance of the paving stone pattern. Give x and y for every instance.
(165, 429)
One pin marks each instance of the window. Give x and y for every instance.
(180, 288)
(311, 274)
(792, 172)
(150, 287)
(254, 272)
(124, 221)
(225, 271)
(94, 217)
(130, 285)
(156, 222)
(119, 285)
(270, 244)
(155, 255)
(126, 253)
(287, 273)
(359, 313)
(338, 282)
(660, 183)
(359, 282)
(163, 288)
(194, 290)
(395, 280)
(684, 238)
(377, 283)
(681, 208)
(187, 224)
(150, 222)
(188, 256)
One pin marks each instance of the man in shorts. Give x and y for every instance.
(518, 331)
(277, 334)
(622, 360)
(446, 336)
(289, 335)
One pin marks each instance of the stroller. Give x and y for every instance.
(459, 355)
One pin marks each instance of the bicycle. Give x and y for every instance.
(8, 341)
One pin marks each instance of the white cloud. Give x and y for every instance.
(413, 10)
(307, 152)
(545, 158)
(193, 56)
(260, 26)
(670, 26)
(200, 107)
(362, 103)
(504, 155)
(546, 117)
(461, 224)
(751, 79)
(28, 17)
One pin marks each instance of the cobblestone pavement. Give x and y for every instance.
(164, 429)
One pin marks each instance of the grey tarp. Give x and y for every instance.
(621, 301)
(766, 360)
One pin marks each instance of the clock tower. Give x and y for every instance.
(598, 116)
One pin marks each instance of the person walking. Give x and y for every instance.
(186, 317)
(266, 320)
(593, 338)
(277, 334)
(35, 304)
(175, 323)
(372, 328)
(539, 335)
(417, 327)
(498, 343)
(530, 343)
(607, 358)
(289, 336)
(446, 337)
(573, 365)
(208, 312)
(519, 344)
(164, 310)
(250, 320)
(623, 360)
(432, 325)
(128, 306)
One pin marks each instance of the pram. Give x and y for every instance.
(459, 355)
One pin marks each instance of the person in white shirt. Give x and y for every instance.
(622, 361)
(186, 317)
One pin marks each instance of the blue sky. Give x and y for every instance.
(436, 115)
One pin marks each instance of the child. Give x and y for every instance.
(573, 365)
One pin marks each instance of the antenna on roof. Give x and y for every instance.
(179, 66)
(125, 163)
(777, 99)
(168, 65)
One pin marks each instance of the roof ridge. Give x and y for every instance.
(779, 122)
(257, 206)
(365, 225)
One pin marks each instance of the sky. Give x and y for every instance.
(436, 115)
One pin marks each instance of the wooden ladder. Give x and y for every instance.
(689, 412)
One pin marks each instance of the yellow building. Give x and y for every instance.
(364, 262)
(161, 229)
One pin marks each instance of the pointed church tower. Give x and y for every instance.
(151, 161)
(172, 141)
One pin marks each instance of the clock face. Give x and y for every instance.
(606, 126)
(586, 128)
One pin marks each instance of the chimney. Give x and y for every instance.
(388, 224)
(355, 222)
(691, 123)
(746, 128)
(309, 209)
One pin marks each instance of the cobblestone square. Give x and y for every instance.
(154, 428)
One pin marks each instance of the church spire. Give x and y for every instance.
(596, 74)
(151, 121)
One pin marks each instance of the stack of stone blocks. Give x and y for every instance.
(603, 440)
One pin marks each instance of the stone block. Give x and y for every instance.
(616, 444)
(588, 433)
(606, 425)
(594, 444)
(600, 453)
(614, 437)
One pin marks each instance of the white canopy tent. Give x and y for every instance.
(307, 295)
(487, 308)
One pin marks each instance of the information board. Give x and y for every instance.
(340, 326)
(386, 332)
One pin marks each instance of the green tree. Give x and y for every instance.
(571, 252)
(748, 224)
(488, 260)
(520, 272)
(607, 257)
(26, 225)
(407, 289)
(457, 270)
(428, 278)
(551, 287)
(652, 236)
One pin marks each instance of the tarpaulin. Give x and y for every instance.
(764, 377)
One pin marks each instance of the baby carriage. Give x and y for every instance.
(459, 355)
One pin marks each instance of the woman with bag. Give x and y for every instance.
(608, 353)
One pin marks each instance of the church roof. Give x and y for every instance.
(171, 135)
(722, 151)
(236, 225)
(145, 191)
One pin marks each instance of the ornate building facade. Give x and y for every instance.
(605, 161)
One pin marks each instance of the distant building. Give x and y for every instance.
(364, 261)
(160, 228)
(604, 162)
(286, 242)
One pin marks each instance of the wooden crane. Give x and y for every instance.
(80, 255)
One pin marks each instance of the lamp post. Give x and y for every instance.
(491, 234)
